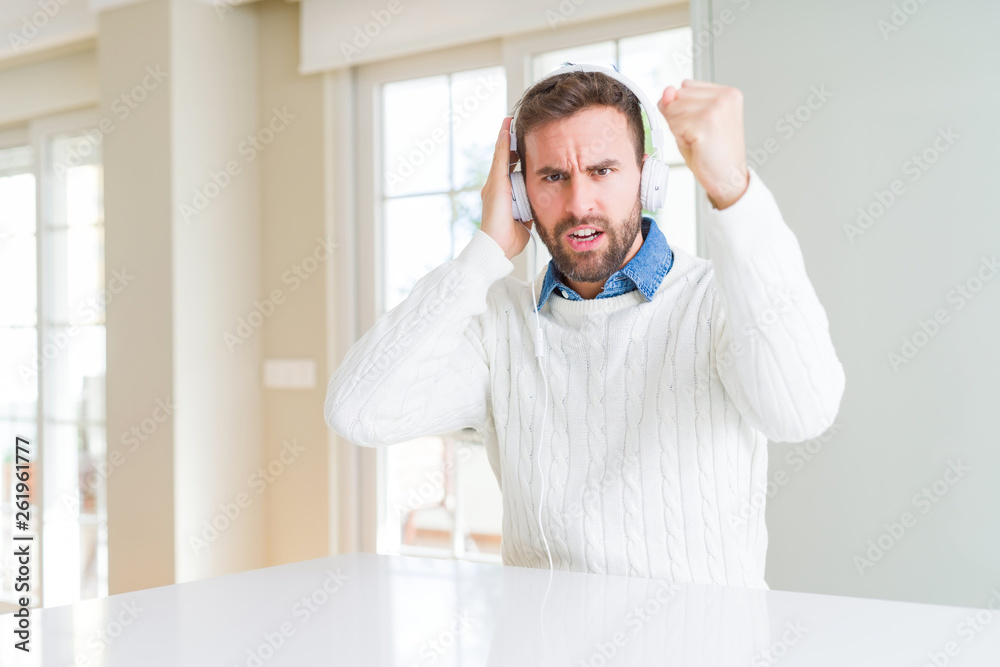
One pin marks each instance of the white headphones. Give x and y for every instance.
(653, 186)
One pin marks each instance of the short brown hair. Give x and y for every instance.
(563, 95)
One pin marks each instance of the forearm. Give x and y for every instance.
(427, 348)
(773, 344)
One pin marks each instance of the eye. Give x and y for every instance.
(547, 178)
(608, 169)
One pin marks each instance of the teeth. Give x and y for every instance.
(585, 234)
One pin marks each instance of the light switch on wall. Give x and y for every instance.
(289, 373)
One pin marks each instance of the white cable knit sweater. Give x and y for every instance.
(659, 412)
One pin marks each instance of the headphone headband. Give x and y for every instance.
(656, 129)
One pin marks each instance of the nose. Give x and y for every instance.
(580, 196)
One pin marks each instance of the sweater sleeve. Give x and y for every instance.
(422, 369)
(771, 337)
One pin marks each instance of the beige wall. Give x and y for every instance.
(292, 220)
(37, 85)
(137, 203)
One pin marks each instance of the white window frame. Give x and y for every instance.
(353, 151)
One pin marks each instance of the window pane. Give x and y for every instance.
(655, 61)
(75, 362)
(77, 192)
(416, 135)
(676, 219)
(66, 448)
(17, 275)
(16, 159)
(75, 513)
(419, 479)
(61, 559)
(600, 53)
(468, 218)
(74, 472)
(83, 196)
(18, 373)
(482, 515)
(417, 239)
(17, 214)
(76, 275)
(93, 455)
(479, 102)
(94, 559)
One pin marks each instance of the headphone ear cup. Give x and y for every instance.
(653, 186)
(519, 197)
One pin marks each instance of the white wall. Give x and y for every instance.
(216, 271)
(898, 428)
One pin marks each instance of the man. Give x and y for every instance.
(666, 373)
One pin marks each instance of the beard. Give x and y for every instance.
(592, 266)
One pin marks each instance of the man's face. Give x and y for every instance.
(581, 174)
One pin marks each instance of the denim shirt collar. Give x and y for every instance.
(644, 271)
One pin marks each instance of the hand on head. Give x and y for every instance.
(498, 217)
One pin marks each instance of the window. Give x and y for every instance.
(52, 354)
(437, 136)
(440, 495)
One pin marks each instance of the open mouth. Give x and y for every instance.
(584, 239)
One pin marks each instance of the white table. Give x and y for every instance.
(362, 609)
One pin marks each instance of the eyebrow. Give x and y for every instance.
(548, 171)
